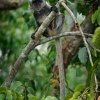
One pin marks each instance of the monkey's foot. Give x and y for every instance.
(33, 36)
(54, 8)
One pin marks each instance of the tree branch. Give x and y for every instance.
(76, 33)
(10, 4)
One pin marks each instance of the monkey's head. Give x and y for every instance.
(37, 4)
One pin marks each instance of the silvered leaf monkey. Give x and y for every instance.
(41, 10)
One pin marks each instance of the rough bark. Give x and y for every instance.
(10, 4)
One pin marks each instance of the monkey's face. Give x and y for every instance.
(36, 1)
(37, 4)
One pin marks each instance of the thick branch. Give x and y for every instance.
(10, 4)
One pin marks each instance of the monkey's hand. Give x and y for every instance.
(55, 9)
(33, 35)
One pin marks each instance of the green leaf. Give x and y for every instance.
(15, 85)
(96, 16)
(26, 16)
(31, 97)
(78, 72)
(79, 88)
(30, 90)
(19, 97)
(75, 95)
(68, 97)
(82, 55)
(20, 89)
(77, 91)
(25, 5)
(96, 38)
(9, 95)
(31, 23)
(2, 96)
(43, 98)
(50, 98)
(3, 89)
(14, 95)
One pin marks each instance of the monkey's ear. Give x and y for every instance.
(57, 23)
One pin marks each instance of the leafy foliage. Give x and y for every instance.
(83, 6)
(96, 38)
(96, 16)
(82, 54)
(34, 80)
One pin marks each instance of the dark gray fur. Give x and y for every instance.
(41, 11)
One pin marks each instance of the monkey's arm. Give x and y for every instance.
(40, 17)
(45, 33)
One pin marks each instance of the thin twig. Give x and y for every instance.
(76, 33)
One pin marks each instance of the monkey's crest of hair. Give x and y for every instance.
(37, 5)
